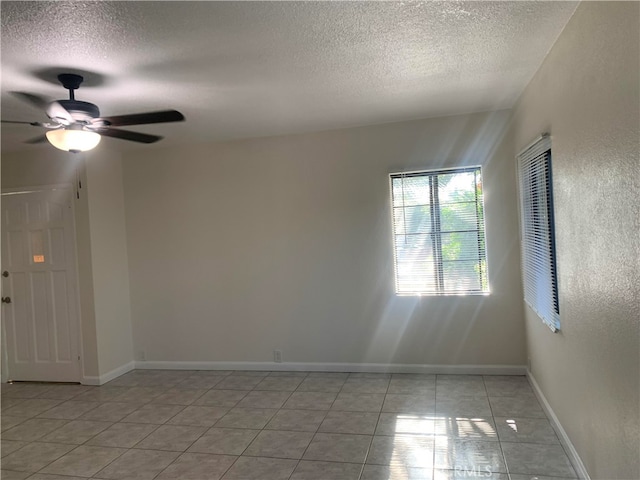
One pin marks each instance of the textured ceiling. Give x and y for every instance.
(246, 69)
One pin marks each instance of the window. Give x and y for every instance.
(537, 231)
(438, 230)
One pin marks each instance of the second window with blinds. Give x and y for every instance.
(438, 232)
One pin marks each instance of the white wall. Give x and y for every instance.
(39, 166)
(586, 95)
(240, 248)
(109, 262)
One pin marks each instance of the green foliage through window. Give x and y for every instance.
(438, 226)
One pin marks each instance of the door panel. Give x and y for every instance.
(41, 322)
(61, 325)
(17, 333)
(40, 303)
(57, 247)
(16, 243)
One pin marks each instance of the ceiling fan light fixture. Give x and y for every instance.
(73, 140)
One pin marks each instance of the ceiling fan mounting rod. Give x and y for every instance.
(71, 82)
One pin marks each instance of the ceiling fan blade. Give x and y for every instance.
(40, 139)
(126, 135)
(143, 118)
(37, 101)
(35, 124)
(57, 112)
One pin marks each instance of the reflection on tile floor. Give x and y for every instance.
(208, 425)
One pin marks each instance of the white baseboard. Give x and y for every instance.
(576, 461)
(107, 377)
(337, 367)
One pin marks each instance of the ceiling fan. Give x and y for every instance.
(77, 126)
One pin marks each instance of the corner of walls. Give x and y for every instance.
(106, 377)
(89, 343)
(109, 261)
(565, 440)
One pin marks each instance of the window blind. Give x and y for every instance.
(537, 230)
(438, 228)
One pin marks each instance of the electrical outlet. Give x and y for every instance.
(142, 356)
(277, 356)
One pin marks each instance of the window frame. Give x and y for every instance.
(536, 289)
(434, 205)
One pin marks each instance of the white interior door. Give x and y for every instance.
(40, 323)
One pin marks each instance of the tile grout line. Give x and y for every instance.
(263, 428)
(167, 423)
(366, 456)
(435, 426)
(317, 428)
(130, 448)
(504, 458)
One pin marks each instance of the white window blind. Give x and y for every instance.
(537, 230)
(438, 228)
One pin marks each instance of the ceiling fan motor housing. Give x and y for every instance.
(70, 81)
(80, 111)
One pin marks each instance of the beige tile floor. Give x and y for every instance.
(207, 425)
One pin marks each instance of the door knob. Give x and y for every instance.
(6, 299)
(5, 274)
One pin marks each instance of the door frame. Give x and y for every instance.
(4, 372)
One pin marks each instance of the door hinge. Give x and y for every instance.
(78, 357)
